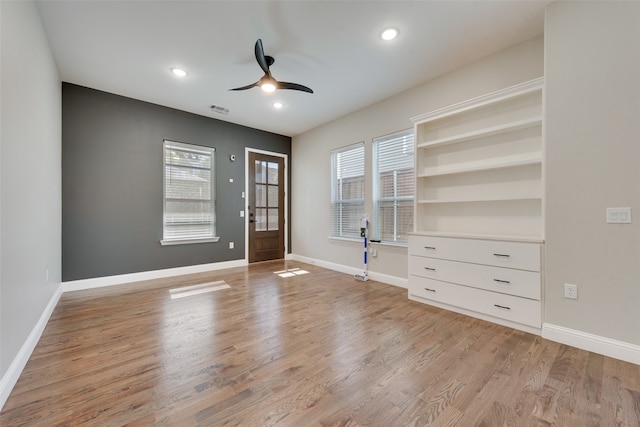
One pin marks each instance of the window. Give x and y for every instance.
(347, 190)
(393, 187)
(189, 194)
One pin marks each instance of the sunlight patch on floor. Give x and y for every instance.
(291, 272)
(203, 288)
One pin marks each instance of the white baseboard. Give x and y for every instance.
(98, 282)
(379, 277)
(10, 378)
(606, 346)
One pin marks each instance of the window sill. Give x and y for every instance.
(346, 239)
(390, 244)
(369, 242)
(188, 241)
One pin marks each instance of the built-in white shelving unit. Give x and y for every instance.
(481, 160)
(479, 182)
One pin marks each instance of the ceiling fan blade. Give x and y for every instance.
(293, 86)
(262, 60)
(246, 87)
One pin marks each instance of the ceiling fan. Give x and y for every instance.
(267, 82)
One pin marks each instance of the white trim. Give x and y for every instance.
(598, 344)
(489, 98)
(98, 282)
(378, 277)
(188, 241)
(371, 242)
(10, 378)
(389, 280)
(248, 150)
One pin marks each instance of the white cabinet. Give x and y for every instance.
(494, 280)
(478, 220)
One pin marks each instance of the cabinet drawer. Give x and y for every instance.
(523, 256)
(505, 280)
(508, 307)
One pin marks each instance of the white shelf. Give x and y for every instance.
(479, 166)
(491, 131)
(483, 165)
(480, 199)
(481, 236)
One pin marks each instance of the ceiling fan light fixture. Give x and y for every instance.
(389, 34)
(179, 72)
(267, 82)
(268, 87)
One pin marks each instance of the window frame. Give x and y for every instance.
(377, 199)
(339, 229)
(167, 144)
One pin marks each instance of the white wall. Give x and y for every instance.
(592, 123)
(311, 183)
(30, 188)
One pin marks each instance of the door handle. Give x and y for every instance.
(252, 220)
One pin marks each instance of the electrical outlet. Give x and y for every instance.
(231, 245)
(570, 291)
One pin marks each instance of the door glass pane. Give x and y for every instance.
(261, 171)
(273, 196)
(261, 195)
(273, 219)
(273, 173)
(261, 220)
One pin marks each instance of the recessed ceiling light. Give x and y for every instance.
(278, 105)
(178, 72)
(389, 34)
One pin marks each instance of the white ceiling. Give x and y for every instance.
(128, 47)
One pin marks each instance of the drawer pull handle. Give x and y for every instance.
(502, 281)
(430, 248)
(502, 306)
(430, 290)
(430, 269)
(503, 255)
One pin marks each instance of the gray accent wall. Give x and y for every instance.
(112, 183)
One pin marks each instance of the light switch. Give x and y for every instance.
(618, 215)
(241, 214)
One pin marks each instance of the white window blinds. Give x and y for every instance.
(189, 195)
(393, 186)
(347, 190)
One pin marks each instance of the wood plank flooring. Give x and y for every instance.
(316, 349)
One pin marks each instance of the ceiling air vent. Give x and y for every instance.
(220, 110)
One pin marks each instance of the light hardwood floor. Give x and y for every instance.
(317, 349)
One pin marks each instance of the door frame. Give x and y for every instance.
(247, 169)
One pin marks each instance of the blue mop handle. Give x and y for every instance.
(365, 252)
